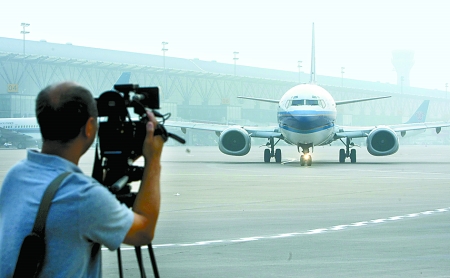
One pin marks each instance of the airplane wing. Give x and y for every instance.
(415, 123)
(356, 132)
(340, 102)
(261, 99)
(269, 131)
(253, 131)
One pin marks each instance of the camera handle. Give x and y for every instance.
(140, 109)
(161, 130)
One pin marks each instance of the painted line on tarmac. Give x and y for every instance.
(309, 232)
(400, 172)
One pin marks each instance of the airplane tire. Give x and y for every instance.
(278, 155)
(353, 156)
(267, 156)
(302, 160)
(309, 161)
(341, 156)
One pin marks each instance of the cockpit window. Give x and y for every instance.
(298, 102)
(310, 102)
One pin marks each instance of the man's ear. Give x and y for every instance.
(90, 129)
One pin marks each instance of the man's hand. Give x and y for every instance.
(148, 200)
(153, 145)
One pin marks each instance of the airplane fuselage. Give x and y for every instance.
(24, 125)
(22, 132)
(307, 115)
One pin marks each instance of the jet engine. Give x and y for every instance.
(235, 141)
(382, 141)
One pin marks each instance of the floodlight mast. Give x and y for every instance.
(24, 32)
(235, 58)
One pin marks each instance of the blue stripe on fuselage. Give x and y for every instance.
(306, 122)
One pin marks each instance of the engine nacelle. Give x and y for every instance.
(382, 141)
(235, 141)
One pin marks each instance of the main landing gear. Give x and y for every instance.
(344, 153)
(269, 153)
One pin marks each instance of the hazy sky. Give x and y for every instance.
(358, 35)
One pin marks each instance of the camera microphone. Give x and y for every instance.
(119, 184)
(138, 97)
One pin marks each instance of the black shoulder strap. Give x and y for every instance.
(32, 251)
(44, 207)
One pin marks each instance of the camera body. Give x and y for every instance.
(121, 137)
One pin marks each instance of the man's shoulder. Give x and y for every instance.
(82, 184)
(85, 191)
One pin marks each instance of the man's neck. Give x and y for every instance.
(67, 151)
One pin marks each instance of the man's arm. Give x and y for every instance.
(148, 199)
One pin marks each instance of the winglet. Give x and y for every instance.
(312, 80)
(421, 113)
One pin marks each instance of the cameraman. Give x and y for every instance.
(83, 214)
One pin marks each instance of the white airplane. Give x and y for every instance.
(307, 118)
(19, 132)
(24, 132)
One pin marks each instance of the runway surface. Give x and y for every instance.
(225, 216)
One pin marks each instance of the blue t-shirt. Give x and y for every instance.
(83, 215)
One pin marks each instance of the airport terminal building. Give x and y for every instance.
(196, 90)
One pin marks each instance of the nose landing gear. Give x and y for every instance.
(305, 158)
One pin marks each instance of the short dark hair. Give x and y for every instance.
(62, 110)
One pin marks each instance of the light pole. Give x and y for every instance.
(235, 60)
(164, 49)
(24, 32)
(299, 65)
(401, 84)
(342, 76)
(446, 87)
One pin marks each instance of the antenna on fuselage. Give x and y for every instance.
(312, 80)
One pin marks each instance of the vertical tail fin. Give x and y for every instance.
(312, 80)
(123, 79)
(421, 113)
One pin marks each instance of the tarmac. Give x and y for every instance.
(224, 216)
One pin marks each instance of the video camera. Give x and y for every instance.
(121, 137)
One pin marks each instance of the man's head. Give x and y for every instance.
(63, 110)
